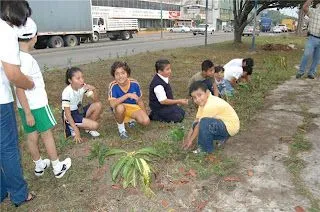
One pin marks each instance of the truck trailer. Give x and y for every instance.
(69, 23)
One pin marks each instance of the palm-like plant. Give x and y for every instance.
(132, 167)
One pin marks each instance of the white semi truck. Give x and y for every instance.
(68, 23)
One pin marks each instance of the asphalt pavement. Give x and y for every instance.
(107, 49)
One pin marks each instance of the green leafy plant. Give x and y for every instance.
(177, 133)
(133, 168)
(98, 151)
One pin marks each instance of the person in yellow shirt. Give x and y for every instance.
(216, 120)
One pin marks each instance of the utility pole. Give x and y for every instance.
(206, 32)
(253, 46)
(161, 22)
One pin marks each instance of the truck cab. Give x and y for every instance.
(113, 28)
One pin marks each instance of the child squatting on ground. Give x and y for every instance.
(33, 107)
(216, 120)
(206, 75)
(125, 99)
(74, 114)
(236, 71)
(161, 102)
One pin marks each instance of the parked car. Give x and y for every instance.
(227, 28)
(276, 29)
(201, 28)
(180, 29)
(248, 31)
(283, 27)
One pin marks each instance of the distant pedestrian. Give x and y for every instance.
(312, 46)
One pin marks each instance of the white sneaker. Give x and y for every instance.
(93, 133)
(39, 170)
(61, 168)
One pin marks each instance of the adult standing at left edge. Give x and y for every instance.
(13, 14)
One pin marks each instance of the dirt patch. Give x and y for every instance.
(278, 47)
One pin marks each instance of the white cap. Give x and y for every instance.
(28, 31)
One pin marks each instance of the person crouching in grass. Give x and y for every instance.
(216, 120)
(125, 98)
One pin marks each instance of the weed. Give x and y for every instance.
(177, 133)
(98, 151)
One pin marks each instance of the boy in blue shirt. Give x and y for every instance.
(125, 98)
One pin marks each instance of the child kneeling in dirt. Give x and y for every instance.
(216, 120)
(163, 106)
(35, 113)
(74, 114)
(125, 98)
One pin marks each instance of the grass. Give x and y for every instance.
(295, 165)
(87, 186)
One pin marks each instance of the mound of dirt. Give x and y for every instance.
(277, 47)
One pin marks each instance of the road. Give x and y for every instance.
(106, 49)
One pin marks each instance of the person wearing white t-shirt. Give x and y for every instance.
(13, 13)
(35, 113)
(75, 115)
(237, 70)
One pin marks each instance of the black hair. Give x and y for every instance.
(197, 85)
(218, 69)
(70, 72)
(315, 2)
(248, 69)
(161, 64)
(15, 12)
(248, 61)
(207, 64)
(119, 64)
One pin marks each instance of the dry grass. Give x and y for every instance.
(87, 188)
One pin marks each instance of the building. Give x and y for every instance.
(172, 12)
(148, 13)
(220, 12)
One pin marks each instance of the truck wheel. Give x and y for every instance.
(125, 35)
(40, 45)
(114, 38)
(194, 34)
(95, 37)
(70, 40)
(55, 42)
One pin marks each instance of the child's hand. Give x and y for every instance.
(30, 119)
(187, 144)
(77, 137)
(88, 87)
(133, 96)
(184, 101)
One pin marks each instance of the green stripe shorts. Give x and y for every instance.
(43, 117)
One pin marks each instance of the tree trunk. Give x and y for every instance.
(238, 30)
(300, 22)
(238, 36)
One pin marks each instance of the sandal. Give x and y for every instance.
(33, 196)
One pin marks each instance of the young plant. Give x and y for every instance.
(98, 151)
(177, 133)
(133, 168)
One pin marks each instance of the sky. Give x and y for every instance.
(290, 12)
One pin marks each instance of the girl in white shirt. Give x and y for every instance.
(74, 113)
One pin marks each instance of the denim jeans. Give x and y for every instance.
(11, 178)
(229, 90)
(311, 49)
(211, 129)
